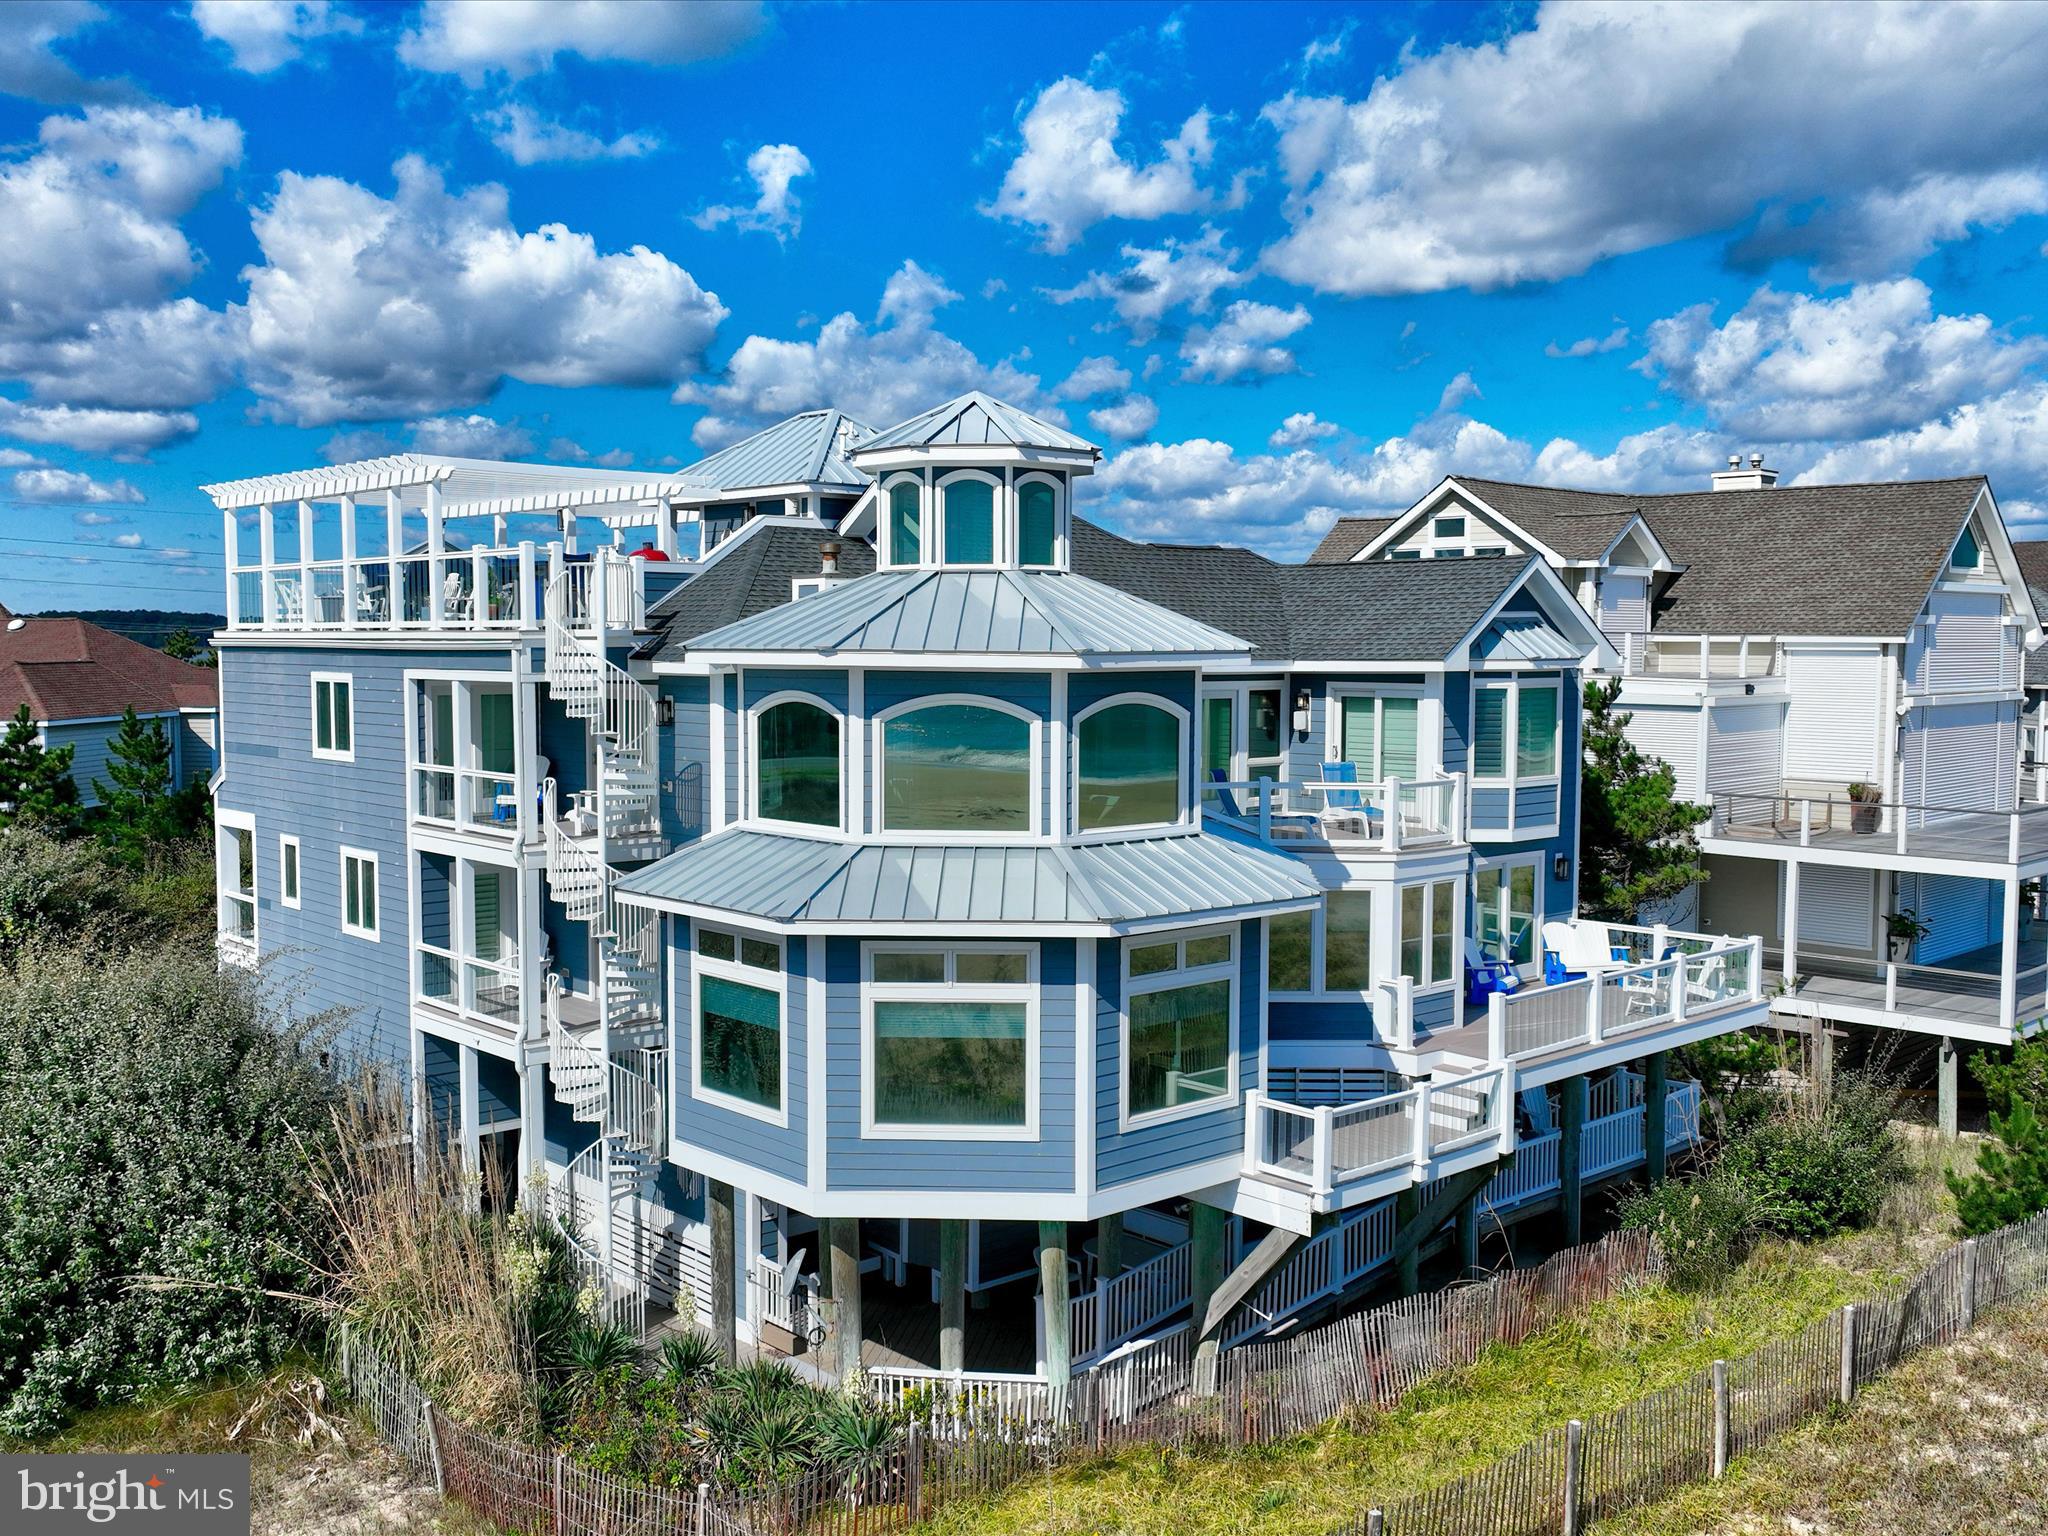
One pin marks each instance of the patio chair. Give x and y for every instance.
(1485, 976)
(1574, 950)
(457, 604)
(1345, 810)
(291, 602)
(1711, 982)
(1287, 824)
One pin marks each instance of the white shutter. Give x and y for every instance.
(1955, 758)
(1624, 606)
(1959, 644)
(1674, 736)
(1833, 720)
(1836, 906)
(1745, 747)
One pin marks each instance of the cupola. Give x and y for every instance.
(974, 484)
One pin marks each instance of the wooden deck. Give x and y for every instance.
(1975, 837)
(1963, 989)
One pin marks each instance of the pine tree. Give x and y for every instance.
(181, 645)
(35, 781)
(1636, 843)
(2011, 1181)
(137, 806)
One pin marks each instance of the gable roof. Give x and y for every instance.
(748, 574)
(1380, 610)
(804, 449)
(977, 420)
(67, 669)
(1348, 535)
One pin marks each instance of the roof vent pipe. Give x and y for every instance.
(828, 557)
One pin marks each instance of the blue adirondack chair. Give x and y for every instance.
(1486, 975)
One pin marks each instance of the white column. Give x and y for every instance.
(436, 609)
(394, 547)
(470, 1108)
(665, 531)
(2009, 955)
(266, 556)
(532, 980)
(1791, 966)
(230, 543)
(348, 562)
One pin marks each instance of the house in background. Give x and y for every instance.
(1838, 671)
(2033, 558)
(77, 678)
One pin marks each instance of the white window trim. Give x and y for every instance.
(775, 981)
(373, 935)
(330, 754)
(878, 799)
(1026, 992)
(1240, 695)
(1004, 523)
(1511, 733)
(1230, 970)
(238, 821)
(1534, 862)
(1318, 951)
(1455, 897)
(1151, 701)
(1061, 556)
(1427, 762)
(294, 899)
(885, 516)
(750, 808)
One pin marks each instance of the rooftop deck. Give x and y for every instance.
(1880, 831)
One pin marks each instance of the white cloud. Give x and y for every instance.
(531, 139)
(29, 63)
(118, 434)
(2005, 437)
(1156, 281)
(880, 373)
(363, 443)
(523, 37)
(994, 287)
(1094, 376)
(1131, 417)
(178, 353)
(68, 486)
(1788, 367)
(776, 210)
(1590, 346)
(366, 307)
(1662, 459)
(1301, 430)
(264, 35)
(16, 458)
(1246, 340)
(128, 540)
(1607, 128)
(471, 437)
(1071, 173)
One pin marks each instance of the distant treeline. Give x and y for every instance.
(150, 626)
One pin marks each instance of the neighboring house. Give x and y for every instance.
(927, 881)
(1838, 672)
(76, 680)
(2033, 560)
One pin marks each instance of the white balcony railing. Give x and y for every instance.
(1705, 657)
(1388, 815)
(1699, 977)
(490, 990)
(471, 589)
(1324, 1148)
(469, 798)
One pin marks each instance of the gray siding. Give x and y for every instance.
(686, 759)
(775, 1149)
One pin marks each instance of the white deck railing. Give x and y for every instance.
(1716, 976)
(1387, 815)
(1322, 1148)
(470, 589)
(1699, 656)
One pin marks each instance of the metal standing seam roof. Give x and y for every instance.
(1523, 637)
(976, 420)
(977, 613)
(804, 449)
(788, 879)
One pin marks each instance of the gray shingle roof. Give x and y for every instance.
(751, 574)
(979, 420)
(804, 449)
(1791, 560)
(1348, 535)
(1380, 610)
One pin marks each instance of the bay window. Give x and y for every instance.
(957, 766)
(739, 1045)
(1428, 913)
(1180, 998)
(951, 1041)
(796, 763)
(1128, 765)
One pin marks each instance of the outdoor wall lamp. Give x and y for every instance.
(1301, 712)
(1561, 868)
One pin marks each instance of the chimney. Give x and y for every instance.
(1736, 478)
(828, 557)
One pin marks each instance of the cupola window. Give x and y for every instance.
(1037, 524)
(970, 522)
(906, 524)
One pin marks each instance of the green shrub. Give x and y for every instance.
(2011, 1181)
(1703, 1226)
(1817, 1160)
(154, 1122)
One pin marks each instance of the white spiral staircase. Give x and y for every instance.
(622, 1092)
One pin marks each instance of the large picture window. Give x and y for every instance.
(1324, 951)
(1129, 766)
(952, 1041)
(796, 764)
(970, 522)
(739, 1039)
(1037, 523)
(956, 767)
(1179, 1003)
(1515, 730)
(906, 524)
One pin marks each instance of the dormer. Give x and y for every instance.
(974, 484)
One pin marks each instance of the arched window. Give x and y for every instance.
(906, 524)
(796, 764)
(970, 522)
(1037, 524)
(956, 767)
(1129, 770)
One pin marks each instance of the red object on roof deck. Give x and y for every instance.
(646, 552)
(67, 669)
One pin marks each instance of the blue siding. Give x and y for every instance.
(441, 1069)
(1489, 807)
(773, 1148)
(497, 1090)
(1123, 1156)
(271, 773)
(91, 746)
(826, 683)
(563, 1133)
(1457, 721)
(1005, 1166)
(566, 745)
(686, 759)
(1535, 804)
(729, 748)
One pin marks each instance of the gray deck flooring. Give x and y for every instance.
(1978, 836)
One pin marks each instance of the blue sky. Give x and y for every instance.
(1282, 262)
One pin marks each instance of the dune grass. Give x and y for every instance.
(1614, 1352)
